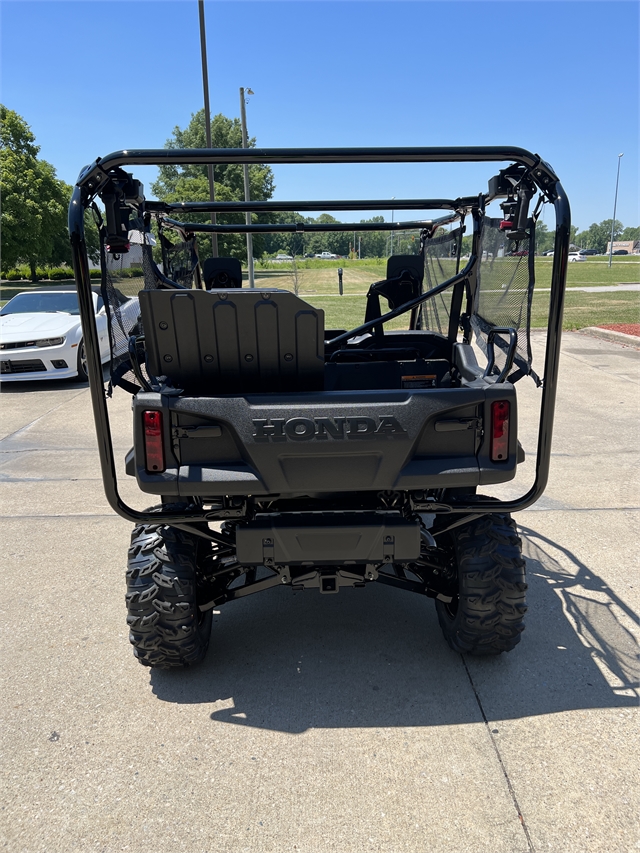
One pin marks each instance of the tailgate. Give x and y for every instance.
(327, 441)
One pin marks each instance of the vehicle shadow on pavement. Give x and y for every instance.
(599, 617)
(375, 657)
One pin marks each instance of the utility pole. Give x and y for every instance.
(615, 204)
(207, 121)
(247, 189)
(392, 215)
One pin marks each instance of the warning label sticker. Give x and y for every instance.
(424, 380)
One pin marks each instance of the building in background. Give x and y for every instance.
(631, 247)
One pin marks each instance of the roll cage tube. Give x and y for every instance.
(95, 176)
(301, 227)
(295, 206)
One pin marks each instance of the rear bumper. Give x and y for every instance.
(315, 443)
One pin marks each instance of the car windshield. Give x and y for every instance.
(42, 303)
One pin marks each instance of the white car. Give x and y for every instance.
(576, 256)
(41, 335)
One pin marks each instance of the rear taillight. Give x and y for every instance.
(153, 448)
(499, 431)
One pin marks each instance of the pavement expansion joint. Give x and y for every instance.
(43, 415)
(500, 761)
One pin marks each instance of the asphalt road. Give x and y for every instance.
(324, 723)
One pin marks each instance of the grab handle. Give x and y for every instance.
(491, 356)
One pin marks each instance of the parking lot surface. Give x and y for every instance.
(324, 723)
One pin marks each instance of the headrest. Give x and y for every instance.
(222, 273)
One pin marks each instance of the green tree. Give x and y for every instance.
(544, 238)
(191, 183)
(597, 235)
(406, 243)
(630, 233)
(573, 235)
(34, 201)
(294, 244)
(373, 244)
(336, 242)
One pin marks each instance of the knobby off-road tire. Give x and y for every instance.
(166, 628)
(486, 617)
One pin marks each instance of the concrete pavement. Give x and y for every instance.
(324, 723)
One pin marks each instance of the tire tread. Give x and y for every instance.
(491, 604)
(165, 627)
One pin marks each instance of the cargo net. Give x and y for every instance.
(123, 276)
(180, 260)
(503, 296)
(440, 263)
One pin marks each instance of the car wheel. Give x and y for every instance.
(83, 373)
(487, 615)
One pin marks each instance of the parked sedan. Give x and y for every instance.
(41, 335)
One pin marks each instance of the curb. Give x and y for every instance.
(610, 335)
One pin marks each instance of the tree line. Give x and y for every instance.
(35, 203)
(596, 236)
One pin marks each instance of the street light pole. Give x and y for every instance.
(615, 204)
(207, 121)
(247, 190)
(392, 215)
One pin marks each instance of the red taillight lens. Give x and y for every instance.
(499, 431)
(153, 448)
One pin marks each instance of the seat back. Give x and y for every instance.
(222, 273)
(233, 341)
(403, 282)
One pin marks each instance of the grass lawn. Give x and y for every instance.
(581, 309)
(318, 284)
(589, 309)
(594, 272)
(320, 287)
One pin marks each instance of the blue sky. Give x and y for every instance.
(558, 78)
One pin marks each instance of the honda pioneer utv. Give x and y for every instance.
(285, 453)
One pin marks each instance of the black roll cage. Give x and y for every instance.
(95, 177)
